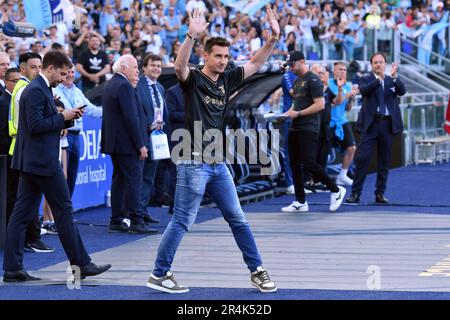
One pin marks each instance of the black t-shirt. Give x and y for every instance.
(207, 102)
(306, 88)
(93, 63)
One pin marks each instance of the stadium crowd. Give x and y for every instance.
(328, 29)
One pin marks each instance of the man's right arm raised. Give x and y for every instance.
(197, 24)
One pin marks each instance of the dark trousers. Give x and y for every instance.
(148, 183)
(303, 153)
(29, 196)
(161, 190)
(379, 135)
(324, 148)
(285, 161)
(33, 232)
(126, 187)
(73, 159)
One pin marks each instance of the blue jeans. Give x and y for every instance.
(193, 179)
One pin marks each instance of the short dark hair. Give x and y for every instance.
(57, 59)
(215, 41)
(93, 35)
(11, 70)
(56, 46)
(338, 63)
(377, 54)
(24, 57)
(151, 57)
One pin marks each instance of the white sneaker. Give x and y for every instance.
(43, 231)
(296, 207)
(261, 280)
(344, 180)
(336, 198)
(290, 189)
(166, 284)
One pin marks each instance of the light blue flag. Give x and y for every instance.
(424, 52)
(249, 7)
(44, 13)
(253, 6)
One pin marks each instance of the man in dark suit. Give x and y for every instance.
(124, 137)
(151, 96)
(11, 78)
(378, 121)
(4, 65)
(36, 156)
(175, 105)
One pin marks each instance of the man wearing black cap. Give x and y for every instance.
(304, 134)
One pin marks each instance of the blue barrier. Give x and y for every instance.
(95, 169)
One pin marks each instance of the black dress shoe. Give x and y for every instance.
(18, 276)
(141, 228)
(149, 219)
(354, 198)
(118, 227)
(380, 198)
(38, 246)
(91, 269)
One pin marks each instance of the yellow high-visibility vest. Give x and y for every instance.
(13, 119)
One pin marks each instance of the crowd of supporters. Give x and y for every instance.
(328, 29)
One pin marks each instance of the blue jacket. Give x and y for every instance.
(145, 98)
(38, 136)
(372, 91)
(124, 121)
(176, 106)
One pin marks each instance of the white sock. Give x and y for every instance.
(343, 172)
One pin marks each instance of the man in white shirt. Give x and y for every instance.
(73, 98)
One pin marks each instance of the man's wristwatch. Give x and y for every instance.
(190, 37)
(275, 38)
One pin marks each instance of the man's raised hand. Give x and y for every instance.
(272, 18)
(197, 22)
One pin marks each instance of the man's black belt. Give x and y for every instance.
(74, 131)
(379, 116)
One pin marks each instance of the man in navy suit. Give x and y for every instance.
(151, 96)
(11, 78)
(4, 65)
(36, 156)
(175, 105)
(378, 121)
(124, 137)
